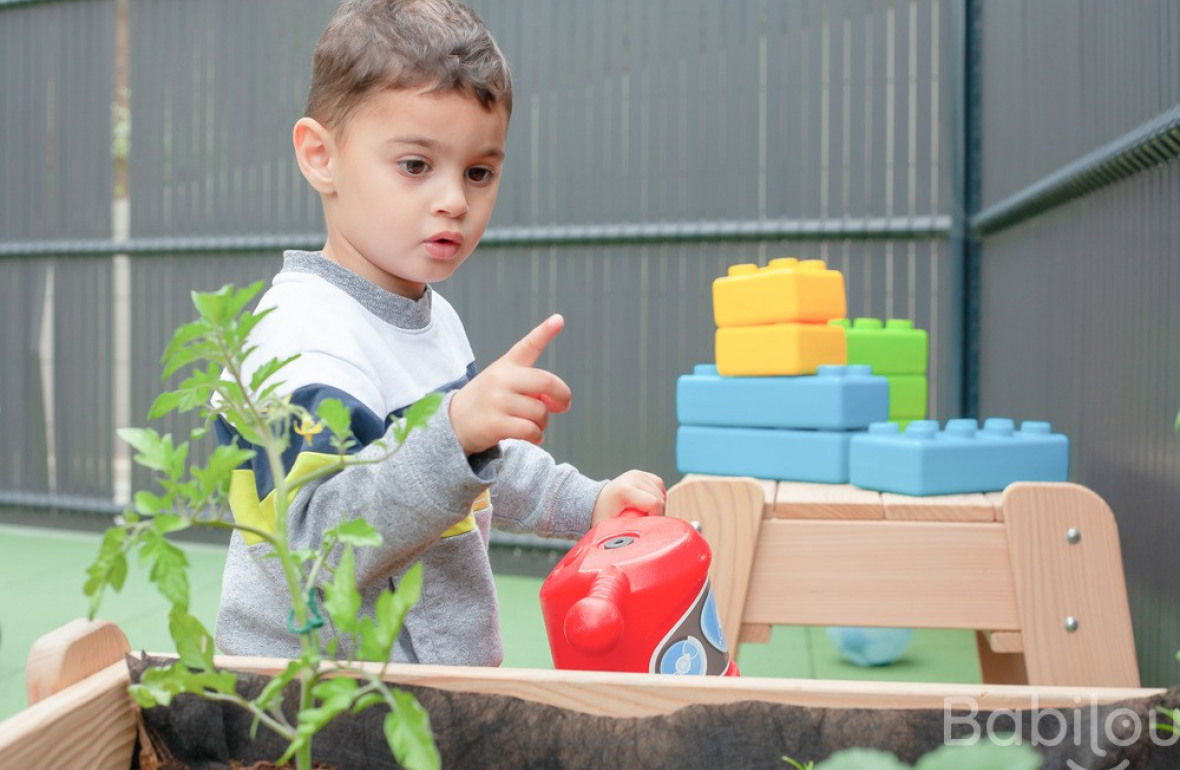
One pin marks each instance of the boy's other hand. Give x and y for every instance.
(634, 489)
(511, 398)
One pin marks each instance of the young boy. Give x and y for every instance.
(404, 140)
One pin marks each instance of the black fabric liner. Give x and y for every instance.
(494, 732)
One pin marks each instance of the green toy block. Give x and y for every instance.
(892, 347)
(907, 396)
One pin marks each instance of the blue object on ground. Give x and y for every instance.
(765, 453)
(963, 458)
(870, 646)
(834, 398)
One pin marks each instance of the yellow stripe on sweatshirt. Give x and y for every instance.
(248, 510)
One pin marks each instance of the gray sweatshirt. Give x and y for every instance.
(378, 353)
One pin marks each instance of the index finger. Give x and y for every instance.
(532, 345)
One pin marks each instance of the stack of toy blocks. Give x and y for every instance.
(774, 320)
(911, 455)
(780, 402)
(899, 352)
(800, 393)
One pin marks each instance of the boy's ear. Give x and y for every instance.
(313, 151)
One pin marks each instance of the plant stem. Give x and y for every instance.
(318, 564)
(345, 460)
(269, 537)
(306, 681)
(285, 730)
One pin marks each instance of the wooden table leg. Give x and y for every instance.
(1070, 591)
(729, 514)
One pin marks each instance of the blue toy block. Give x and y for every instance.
(963, 458)
(764, 453)
(834, 398)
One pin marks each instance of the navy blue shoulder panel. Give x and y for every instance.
(453, 385)
(367, 427)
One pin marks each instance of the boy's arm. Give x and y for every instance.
(511, 400)
(533, 493)
(411, 498)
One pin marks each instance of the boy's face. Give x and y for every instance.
(413, 184)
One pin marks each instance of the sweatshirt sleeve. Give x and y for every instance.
(411, 498)
(533, 493)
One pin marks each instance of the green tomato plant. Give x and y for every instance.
(213, 351)
(982, 755)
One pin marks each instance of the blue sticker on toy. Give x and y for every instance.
(685, 657)
(711, 624)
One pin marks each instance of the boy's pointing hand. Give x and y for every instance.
(511, 398)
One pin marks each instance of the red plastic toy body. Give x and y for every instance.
(634, 595)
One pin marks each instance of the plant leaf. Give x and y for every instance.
(407, 731)
(108, 569)
(194, 644)
(335, 693)
(304, 555)
(420, 413)
(367, 700)
(239, 298)
(378, 634)
(168, 522)
(179, 351)
(154, 450)
(312, 720)
(212, 305)
(356, 532)
(983, 755)
(1173, 717)
(192, 353)
(334, 414)
(341, 599)
(169, 571)
(166, 402)
(268, 369)
(272, 693)
(214, 478)
(417, 416)
(158, 686)
(861, 759)
(147, 503)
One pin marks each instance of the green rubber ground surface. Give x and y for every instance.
(41, 576)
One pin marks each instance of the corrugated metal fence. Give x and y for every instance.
(653, 143)
(1080, 266)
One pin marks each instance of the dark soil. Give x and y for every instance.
(496, 732)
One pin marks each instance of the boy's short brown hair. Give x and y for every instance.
(372, 45)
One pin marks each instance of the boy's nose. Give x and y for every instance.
(451, 200)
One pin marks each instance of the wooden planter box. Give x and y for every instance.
(1014, 567)
(82, 716)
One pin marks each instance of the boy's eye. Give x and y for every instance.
(479, 174)
(414, 166)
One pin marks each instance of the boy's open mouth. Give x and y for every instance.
(444, 245)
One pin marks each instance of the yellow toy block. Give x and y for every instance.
(776, 349)
(785, 291)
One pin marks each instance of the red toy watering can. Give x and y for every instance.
(634, 595)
